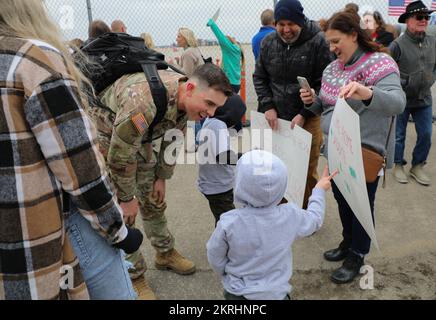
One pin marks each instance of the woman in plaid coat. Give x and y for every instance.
(47, 155)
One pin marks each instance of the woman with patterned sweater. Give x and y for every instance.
(370, 82)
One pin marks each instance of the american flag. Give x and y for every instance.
(139, 122)
(433, 5)
(398, 7)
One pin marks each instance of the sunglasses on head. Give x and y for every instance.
(420, 17)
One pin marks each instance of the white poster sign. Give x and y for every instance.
(345, 154)
(291, 146)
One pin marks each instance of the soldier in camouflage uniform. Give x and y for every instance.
(138, 169)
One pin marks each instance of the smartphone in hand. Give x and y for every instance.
(304, 84)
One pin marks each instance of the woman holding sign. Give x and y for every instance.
(369, 80)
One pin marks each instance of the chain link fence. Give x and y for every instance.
(162, 19)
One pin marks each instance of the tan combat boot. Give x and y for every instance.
(142, 289)
(419, 175)
(400, 174)
(174, 261)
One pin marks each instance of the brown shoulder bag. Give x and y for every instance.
(373, 162)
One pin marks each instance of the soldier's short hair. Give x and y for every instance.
(214, 77)
(267, 17)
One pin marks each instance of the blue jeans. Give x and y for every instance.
(102, 265)
(423, 127)
(231, 296)
(355, 236)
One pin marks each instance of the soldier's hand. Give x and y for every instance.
(130, 211)
(159, 191)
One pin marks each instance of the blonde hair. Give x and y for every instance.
(76, 43)
(189, 36)
(28, 19)
(148, 40)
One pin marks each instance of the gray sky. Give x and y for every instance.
(162, 18)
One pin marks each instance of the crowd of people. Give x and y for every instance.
(76, 169)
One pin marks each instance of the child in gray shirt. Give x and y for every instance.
(216, 160)
(251, 247)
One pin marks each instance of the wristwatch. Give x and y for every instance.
(119, 200)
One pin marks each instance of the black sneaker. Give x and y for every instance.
(349, 270)
(337, 254)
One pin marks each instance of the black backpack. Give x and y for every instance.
(118, 54)
(207, 60)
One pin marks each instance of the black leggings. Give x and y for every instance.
(355, 237)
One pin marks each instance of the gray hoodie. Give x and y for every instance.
(251, 247)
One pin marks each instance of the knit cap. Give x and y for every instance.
(290, 10)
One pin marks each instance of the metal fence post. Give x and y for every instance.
(88, 3)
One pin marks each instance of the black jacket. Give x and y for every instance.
(279, 64)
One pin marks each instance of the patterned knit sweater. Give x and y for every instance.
(379, 71)
(368, 70)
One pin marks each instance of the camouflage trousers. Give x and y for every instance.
(152, 213)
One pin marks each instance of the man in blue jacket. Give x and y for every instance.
(268, 26)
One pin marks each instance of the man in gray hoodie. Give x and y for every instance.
(251, 247)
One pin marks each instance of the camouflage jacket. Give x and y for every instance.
(122, 121)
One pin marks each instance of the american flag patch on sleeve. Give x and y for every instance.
(139, 123)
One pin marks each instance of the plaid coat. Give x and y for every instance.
(47, 149)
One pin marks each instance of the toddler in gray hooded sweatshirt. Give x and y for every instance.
(251, 247)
